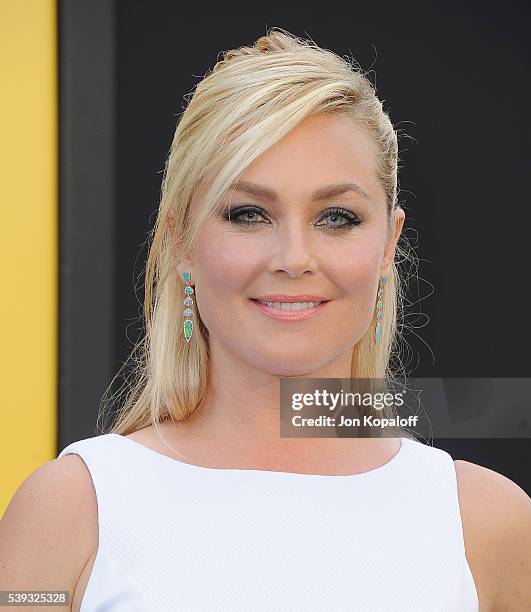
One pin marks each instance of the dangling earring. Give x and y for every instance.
(379, 304)
(188, 324)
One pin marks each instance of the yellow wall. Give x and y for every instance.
(28, 239)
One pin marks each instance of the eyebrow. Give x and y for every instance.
(323, 193)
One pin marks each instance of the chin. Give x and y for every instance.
(288, 365)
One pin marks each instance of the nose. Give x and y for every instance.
(293, 251)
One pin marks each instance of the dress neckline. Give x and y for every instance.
(394, 462)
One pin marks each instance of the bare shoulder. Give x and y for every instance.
(49, 529)
(496, 516)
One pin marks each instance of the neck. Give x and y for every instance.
(237, 424)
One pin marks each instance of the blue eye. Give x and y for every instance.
(341, 213)
(237, 215)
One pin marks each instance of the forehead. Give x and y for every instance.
(322, 149)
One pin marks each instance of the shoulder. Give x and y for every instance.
(496, 517)
(487, 492)
(49, 529)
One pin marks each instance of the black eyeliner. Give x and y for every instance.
(232, 215)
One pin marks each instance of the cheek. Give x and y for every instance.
(361, 291)
(357, 279)
(224, 268)
(361, 275)
(355, 268)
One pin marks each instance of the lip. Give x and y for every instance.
(291, 298)
(284, 315)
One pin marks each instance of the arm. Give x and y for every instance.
(46, 530)
(496, 517)
(514, 550)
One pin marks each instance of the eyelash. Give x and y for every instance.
(233, 214)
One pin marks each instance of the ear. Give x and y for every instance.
(390, 247)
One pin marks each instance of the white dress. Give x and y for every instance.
(180, 537)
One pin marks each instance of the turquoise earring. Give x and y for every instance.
(379, 304)
(188, 324)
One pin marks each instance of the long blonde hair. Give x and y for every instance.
(246, 103)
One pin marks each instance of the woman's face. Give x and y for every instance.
(298, 240)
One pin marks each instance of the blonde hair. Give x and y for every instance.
(246, 103)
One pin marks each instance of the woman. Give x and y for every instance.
(281, 186)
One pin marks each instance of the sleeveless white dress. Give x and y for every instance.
(180, 537)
